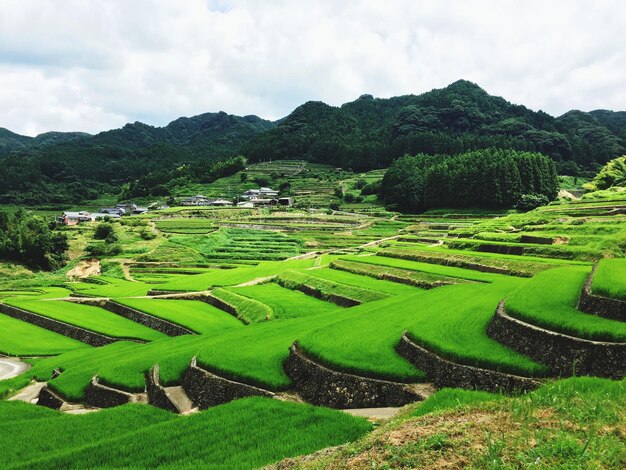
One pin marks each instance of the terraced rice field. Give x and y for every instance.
(91, 318)
(195, 315)
(262, 303)
(550, 300)
(609, 279)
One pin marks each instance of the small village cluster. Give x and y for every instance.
(249, 199)
(73, 218)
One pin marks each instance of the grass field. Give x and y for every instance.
(18, 338)
(252, 432)
(610, 279)
(550, 300)
(286, 303)
(90, 318)
(193, 314)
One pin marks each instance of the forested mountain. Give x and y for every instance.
(72, 171)
(10, 141)
(364, 134)
(372, 132)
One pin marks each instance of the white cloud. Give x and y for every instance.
(95, 64)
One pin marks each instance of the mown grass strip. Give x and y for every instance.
(249, 310)
(327, 290)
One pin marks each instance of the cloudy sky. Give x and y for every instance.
(92, 65)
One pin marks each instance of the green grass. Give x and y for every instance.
(198, 316)
(569, 424)
(90, 318)
(404, 276)
(18, 338)
(376, 286)
(549, 300)
(252, 432)
(186, 226)
(426, 268)
(248, 310)
(609, 279)
(326, 288)
(286, 303)
(110, 287)
(449, 320)
(232, 277)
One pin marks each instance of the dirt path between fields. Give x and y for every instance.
(85, 268)
(254, 282)
(10, 368)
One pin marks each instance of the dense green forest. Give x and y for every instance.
(368, 133)
(82, 169)
(371, 133)
(28, 239)
(491, 178)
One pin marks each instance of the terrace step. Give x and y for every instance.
(613, 309)
(104, 396)
(71, 331)
(323, 386)
(565, 355)
(206, 389)
(445, 373)
(158, 324)
(29, 394)
(170, 398)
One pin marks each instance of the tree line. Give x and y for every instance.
(490, 178)
(29, 240)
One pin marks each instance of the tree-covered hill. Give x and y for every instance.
(11, 142)
(367, 133)
(372, 132)
(76, 170)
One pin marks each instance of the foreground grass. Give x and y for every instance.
(610, 278)
(252, 432)
(549, 300)
(571, 424)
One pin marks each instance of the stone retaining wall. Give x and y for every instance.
(137, 316)
(206, 389)
(102, 396)
(564, 355)
(444, 373)
(593, 304)
(157, 395)
(501, 249)
(65, 329)
(50, 399)
(322, 386)
(536, 240)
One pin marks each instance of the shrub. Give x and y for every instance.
(103, 231)
(529, 202)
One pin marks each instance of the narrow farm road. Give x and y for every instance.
(10, 368)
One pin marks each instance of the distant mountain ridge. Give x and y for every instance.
(10, 141)
(371, 132)
(363, 134)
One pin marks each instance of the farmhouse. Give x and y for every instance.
(198, 200)
(262, 193)
(113, 211)
(74, 218)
